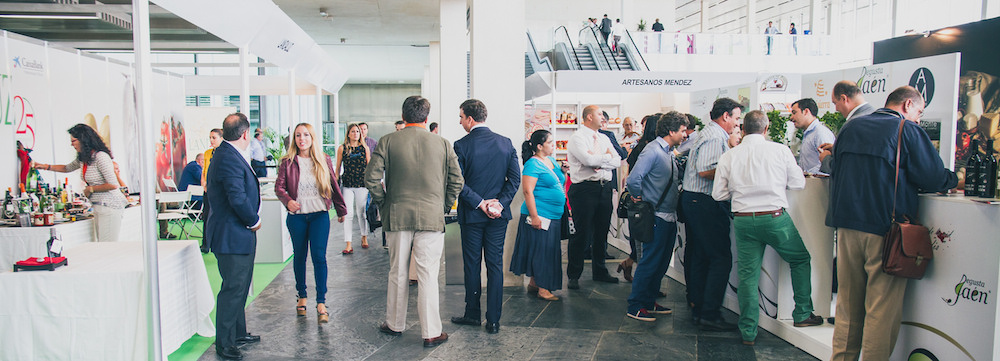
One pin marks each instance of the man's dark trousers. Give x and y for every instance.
(479, 240)
(590, 203)
(230, 319)
(653, 265)
(711, 257)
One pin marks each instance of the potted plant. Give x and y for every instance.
(642, 25)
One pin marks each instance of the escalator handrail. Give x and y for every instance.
(571, 46)
(534, 52)
(603, 53)
(636, 49)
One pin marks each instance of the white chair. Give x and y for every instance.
(173, 215)
(191, 208)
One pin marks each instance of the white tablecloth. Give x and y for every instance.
(17, 243)
(95, 308)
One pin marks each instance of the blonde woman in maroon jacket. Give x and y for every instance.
(307, 186)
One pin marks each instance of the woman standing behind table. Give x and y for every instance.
(536, 251)
(648, 135)
(308, 188)
(354, 155)
(99, 174)
(214, 140)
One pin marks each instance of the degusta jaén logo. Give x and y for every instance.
(970, 290)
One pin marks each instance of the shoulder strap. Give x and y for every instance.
(670, 183)
(895, 183)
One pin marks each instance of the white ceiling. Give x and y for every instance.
(384, 41)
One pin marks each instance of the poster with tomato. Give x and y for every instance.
(171, 153)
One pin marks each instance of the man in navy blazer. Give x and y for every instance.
(492, 175)
(234, 194)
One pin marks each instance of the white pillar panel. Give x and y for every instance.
(245, 80)
(497, 79)
(752, 17)
(454, 45)
(432, 83)
(336, 117)
(497, 65)
(293, 101)
(704, 17)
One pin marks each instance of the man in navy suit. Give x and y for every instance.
(234, 194)
(492, 175)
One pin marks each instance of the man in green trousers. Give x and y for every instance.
(754, 175)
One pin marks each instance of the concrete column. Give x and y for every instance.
(497, 69)
(752, 17)
(453, 69)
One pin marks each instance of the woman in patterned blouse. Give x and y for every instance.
(353, 157)
(101, 180)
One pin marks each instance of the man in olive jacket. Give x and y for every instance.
(422, 181)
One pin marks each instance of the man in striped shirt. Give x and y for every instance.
(707, 255)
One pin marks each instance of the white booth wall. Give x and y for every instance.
(45, 90)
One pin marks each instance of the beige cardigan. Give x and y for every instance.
(422, 179)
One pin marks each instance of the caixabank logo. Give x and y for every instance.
(25, 63)
(923, 80)
(969, 290)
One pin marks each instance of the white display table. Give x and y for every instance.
(952, 312)
(17, 243)
(95, 308)
(274, 243)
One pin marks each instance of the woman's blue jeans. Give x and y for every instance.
(309, 231)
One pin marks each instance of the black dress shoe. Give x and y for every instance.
(573, 284)
(466, 321)
(492, 327)
(240, 341)
(431, 342)
(718, 324)
(229, 353)
(606, 278)
(384, 328)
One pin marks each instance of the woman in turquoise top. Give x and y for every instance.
(536, 252)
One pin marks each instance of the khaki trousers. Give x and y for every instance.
(869, 301)
(427, 248)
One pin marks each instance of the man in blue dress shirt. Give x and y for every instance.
(815, 134)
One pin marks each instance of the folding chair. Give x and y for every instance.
(174, 215)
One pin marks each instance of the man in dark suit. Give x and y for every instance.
(234, 194)
(492, 175)
(606, 28)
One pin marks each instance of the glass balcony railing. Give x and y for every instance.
(732, 44)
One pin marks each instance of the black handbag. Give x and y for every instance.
(641, 216)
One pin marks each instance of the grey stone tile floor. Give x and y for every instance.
(585, 324)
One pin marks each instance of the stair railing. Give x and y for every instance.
(587, 30)
(569, 41)
(629, 35)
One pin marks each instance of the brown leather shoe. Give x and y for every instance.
(384, 328)
(431, 342)
(813, 320)
(748, 343)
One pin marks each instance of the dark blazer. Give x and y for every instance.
(489, 165)
(234, 194)
(606, 25)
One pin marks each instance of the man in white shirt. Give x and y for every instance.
(771, 30)
(617, 32)
(592, 159)
(814, 134)
(258, 154)
(754, 175)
